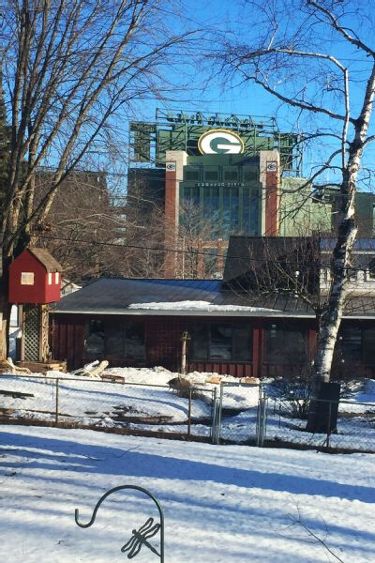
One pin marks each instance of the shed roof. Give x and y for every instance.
(119, 296)
(246, 252)
(45, 258)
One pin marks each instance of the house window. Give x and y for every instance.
(355, 345)
(57, 277)
(284, 345)
(368, 346)
(94, 341)
(134, 341)
(220, 342)
(124, 340)
(27, 278)
(50, 278)
(371, 269)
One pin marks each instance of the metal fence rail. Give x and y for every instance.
(93, 403)
(196, 412)
(354, 429)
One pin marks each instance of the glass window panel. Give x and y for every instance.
(242, 343)
(350, 343)
(230, 174)
(134, 341)
(191, 174)
(368, 339)
(371, 268)
(94, 341)
(199, 342)
(114, 341)
(254, 212)
(221, 342)
(250, 173)
(234, 205)
(211, 175)
(284, 346)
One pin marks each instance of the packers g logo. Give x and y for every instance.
(220, 141)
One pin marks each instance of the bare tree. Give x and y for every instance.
(83, 225)
(310, 55)
(68, 69)
(199, 244)
(143, 240)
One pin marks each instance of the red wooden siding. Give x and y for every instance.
(40, 292)
(67, 340)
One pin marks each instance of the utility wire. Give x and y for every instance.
(177, 250)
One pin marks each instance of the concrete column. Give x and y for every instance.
(269, 176)
(175, 162)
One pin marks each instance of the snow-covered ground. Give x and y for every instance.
(221, 503)
(145, 402)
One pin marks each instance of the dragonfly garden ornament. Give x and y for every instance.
(140, 538)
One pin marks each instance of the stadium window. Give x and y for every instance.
(191, 174)
(250, 173)
(211, 175)
(230, 174)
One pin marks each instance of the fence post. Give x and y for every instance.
(215, 412)
(220, 409)
(57, 402)
(216, 416)
(189, 413)
(261, 419)
(329, 423)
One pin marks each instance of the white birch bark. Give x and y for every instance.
(282, 43)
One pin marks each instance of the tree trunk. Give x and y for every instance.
(5, 309)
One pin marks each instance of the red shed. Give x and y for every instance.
(34, 278)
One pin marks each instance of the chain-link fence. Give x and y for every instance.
(92, 403)
(237, 419)
(230, 413)
(347, 426)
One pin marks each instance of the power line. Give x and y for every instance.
(177, 250)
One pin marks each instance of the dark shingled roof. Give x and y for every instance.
(246, 253)
(48, 261)
(114, 296)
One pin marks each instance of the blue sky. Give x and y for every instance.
(205, 88)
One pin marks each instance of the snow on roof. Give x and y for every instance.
(194, 305)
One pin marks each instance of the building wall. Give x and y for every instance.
(300, 214)
(278, 347)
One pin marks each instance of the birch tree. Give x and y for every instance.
(70, 68)
(317, 58)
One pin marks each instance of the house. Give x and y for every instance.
(140, 322)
